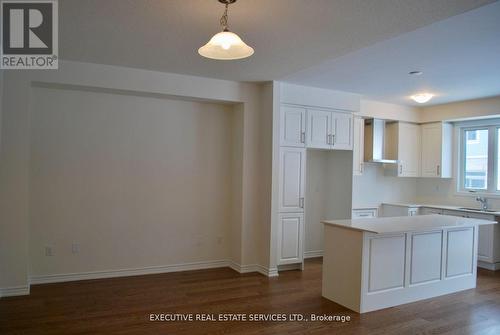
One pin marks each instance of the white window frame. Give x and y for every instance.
(491, 125)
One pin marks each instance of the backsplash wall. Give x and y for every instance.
(374, 187)
(443, 192)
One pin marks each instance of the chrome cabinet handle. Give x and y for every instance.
(361, 166)
(328, 139)
(301, 202)
(438, 170)
(303, 137)
(400, 169)
(333, 139)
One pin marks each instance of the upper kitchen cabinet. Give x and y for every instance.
(293, 126)
(404, 144)
(319, 129)
(342, 131)
(329, 130)
(437, 150)
(358, 146)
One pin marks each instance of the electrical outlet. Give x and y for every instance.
(75, 248)
(48, 251)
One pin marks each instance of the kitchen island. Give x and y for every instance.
(370, 264)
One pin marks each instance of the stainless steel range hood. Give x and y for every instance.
(375, 142)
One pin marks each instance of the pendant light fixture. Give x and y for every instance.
(422, 98)
(225, 45)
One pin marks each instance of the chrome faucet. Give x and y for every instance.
(484, 203)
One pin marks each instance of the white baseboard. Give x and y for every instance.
(488, 266)
(14, 291)
(59, 278)
(253, 268)
(313, 254)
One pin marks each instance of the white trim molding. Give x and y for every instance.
(313, 254)
(268, 272)
(488, 266)
(14, 291)
(59, 278)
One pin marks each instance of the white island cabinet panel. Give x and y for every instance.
(387, 262)
(426, 257)
(460, 252)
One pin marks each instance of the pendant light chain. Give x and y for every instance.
(223, 19)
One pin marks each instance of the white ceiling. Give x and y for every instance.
(460, 58)
(288, 35)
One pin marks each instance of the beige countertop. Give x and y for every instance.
(384, 225)
(448, 207)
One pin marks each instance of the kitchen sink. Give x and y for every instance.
(478, 210)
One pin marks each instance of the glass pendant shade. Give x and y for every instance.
(226, 46)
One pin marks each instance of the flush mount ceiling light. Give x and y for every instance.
(225, 45)
(422, 98)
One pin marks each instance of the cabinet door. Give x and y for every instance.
(413, 211)
(428, 210)
(292, 175)
(455, 213)
(409, 150)
(318, 129)
(364, 213)
(358, 146)
(485, 243)
(431, 150)
(290, 241)
(342, 131)
(485, 248)
(293, 126)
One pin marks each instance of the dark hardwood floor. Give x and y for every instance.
(124, 305)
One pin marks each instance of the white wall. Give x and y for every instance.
(14, 183)
(266, 174)
(375, 187)
(461, 110)
(15, 155)
(387, 111)
(135, 181)
(1, 104)
(315, 203)
(328, 190)
(319, 97)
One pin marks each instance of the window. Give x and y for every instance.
(476, 159)
(472, 136)
(480, 157)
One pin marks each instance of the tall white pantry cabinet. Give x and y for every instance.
(300, 128)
